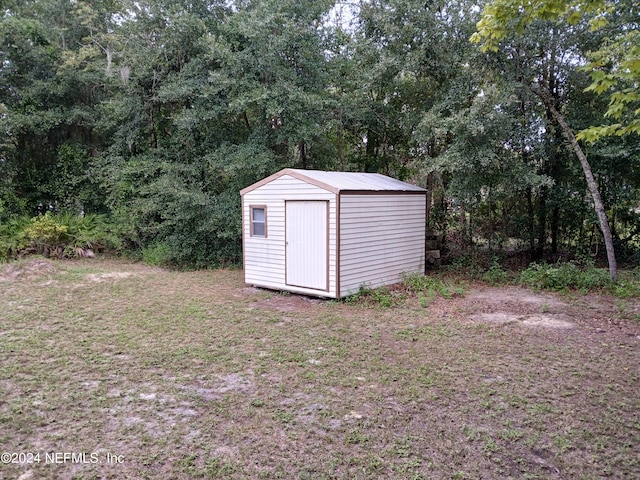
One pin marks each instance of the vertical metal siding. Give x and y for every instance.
(381, 237)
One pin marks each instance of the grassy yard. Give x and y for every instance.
(177, 375)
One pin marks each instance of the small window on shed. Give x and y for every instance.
(259, 221)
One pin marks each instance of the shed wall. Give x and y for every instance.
(264, 258)
(381, 237)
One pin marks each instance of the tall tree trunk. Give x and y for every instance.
(542, 223)
(430, 187)
(340, 141)
(591, 182)
(492, 226)
(470, 232)
(555, 222)
(445, 216)
(109, 68)
(303, 153)
(371, 151)
(532, 224)
(463, 224)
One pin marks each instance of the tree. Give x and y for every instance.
(215, 98)
(400, 61)
(272, 73)
(614, 65)
(159, 111)
(501, 18)
(47, 111)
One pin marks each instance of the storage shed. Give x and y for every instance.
(329, 233)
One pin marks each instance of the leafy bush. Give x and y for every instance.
(157, 254)
(564, 276)
(495, 273)
(88, 232)
(60, 235)
(431, 285)
(628, 284)
(12, 237)
(192, 208)
(46, 234)
(469, 261)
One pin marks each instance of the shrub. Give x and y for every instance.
(564, 276)
(157, 254)
(88, 232)
(495, 273)
(381, 296)
(61, 235)
(12, 237)
(628, 284)
(46, 234)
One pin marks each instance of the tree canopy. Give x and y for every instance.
(155, 114)
(614, 63)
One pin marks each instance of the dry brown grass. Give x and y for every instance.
(194, 375)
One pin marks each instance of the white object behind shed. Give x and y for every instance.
(329, 233)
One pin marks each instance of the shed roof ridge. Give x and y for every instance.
(336, 181)
(353, 181)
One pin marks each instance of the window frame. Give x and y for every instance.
(252, 222)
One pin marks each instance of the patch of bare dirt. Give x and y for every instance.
(101, 277)
(519, 299)
(513, 305)
(547, 320)
(28, 270)
(536, 320)
(286, 303)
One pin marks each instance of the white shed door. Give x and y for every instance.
(306, 244)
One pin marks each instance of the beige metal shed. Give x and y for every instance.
(329, 233)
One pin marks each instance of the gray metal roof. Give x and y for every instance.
(341, 181)
(345, 181)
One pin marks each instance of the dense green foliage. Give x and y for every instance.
(564, 276)
(57, 235)
(614, 63)
(151, 115)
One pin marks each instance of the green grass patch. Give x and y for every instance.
(192, 375)
(433, 285)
